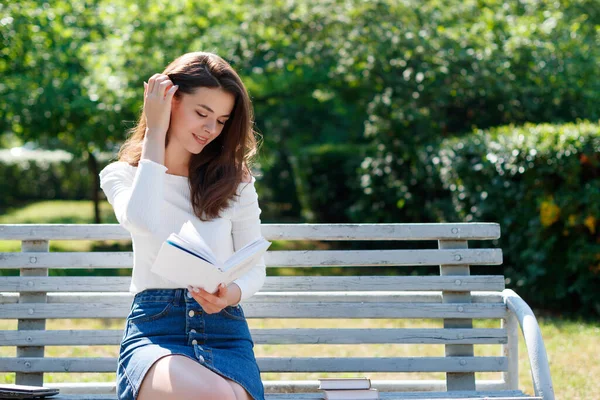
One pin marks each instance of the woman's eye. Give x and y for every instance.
(204, 116)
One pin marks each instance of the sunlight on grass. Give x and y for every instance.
(10, 246)
(59, 212)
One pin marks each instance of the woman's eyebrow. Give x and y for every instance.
(209, 109)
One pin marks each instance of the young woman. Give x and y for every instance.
(188, 158)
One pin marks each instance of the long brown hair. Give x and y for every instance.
(216, 172)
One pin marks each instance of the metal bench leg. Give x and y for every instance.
(540, 369)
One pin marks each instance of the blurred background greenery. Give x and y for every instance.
(379, 111)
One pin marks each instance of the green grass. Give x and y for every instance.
(56, 212)
(569, 343)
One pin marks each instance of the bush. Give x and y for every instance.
(542, 184)
(326, 181)
(45, 178)
(443, 70)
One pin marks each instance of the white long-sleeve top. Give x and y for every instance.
(152, 204)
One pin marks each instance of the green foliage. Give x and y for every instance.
(34, 181)
(47, 93)
(40, 179)
(394, 77)
(399, 74)
(326, 181)
(542, 184)
(446, 68)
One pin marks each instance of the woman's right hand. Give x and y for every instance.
(158, 93)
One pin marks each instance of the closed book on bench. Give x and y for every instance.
(352, 394)
(12, 391)
(186, 259)
(344, 383)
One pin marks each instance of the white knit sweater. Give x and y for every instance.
(152, 204)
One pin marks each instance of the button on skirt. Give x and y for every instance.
(169, 321)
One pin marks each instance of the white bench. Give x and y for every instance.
(454, 298)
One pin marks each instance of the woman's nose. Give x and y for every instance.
(209, 127)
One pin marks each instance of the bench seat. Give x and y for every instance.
(304, 390)
(453, 300)
(504, 395)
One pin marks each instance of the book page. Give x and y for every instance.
(185, 269)
(259, 245)
(241, 269)
(177, 243)
(193, 238)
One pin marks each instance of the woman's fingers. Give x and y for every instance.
(158, 86)
(209, 302)
(172, 91)
(155, 81)
(219, 294)
(166, 88)
(151, 82)
(157, 102)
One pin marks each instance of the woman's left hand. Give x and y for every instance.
(211, 303)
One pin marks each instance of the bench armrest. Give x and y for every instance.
(540, 369)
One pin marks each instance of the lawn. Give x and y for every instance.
(569, 343)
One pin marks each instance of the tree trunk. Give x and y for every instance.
(93, 167)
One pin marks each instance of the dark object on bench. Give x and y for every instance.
(11, 391)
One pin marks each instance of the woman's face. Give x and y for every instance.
(197, 119)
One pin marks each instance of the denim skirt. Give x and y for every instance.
(169, 321)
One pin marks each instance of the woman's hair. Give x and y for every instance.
(224, 163)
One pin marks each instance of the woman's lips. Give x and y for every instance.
(199, 139)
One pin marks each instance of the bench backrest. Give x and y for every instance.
(454, 297)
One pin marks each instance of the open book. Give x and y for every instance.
(186, 259)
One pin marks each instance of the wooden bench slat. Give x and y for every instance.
(482, 395)
(396, 231)
(331, 309)
(124, 299)
(69, 337)
(280, 364)
(84, 396)
(502, 395)
(68, 260)
(272, 283)
(283, 258)
(275, 336)
(388, 385)
(383, 364)
(508, 395)
(304, 386)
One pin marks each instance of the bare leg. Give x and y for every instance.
(240, 392)
(175, 377)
